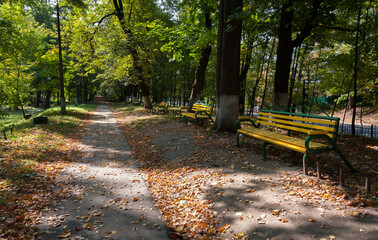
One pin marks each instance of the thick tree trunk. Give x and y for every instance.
(228, 85)
(61, 76)
(219, 57)
(286, 45)
(284, 55)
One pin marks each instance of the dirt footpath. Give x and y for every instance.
(110, 199)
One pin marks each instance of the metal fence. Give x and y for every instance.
(361, 130)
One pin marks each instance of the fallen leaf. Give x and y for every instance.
(64, 234)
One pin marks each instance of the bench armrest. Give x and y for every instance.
(315, 132)
(182, 108)
(245, 119)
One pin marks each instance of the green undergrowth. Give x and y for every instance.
(62, 124)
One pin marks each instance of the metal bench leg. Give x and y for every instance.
(186, 121)
(305, 165)
(195, 122)
(346, 161)
(237, 139)
(264, 150)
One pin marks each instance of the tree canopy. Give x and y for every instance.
(291, 53)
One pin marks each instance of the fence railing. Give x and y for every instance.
(361, 130)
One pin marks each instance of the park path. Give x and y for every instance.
(110, 199)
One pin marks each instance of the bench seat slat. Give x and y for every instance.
(193, 115)
(303, 130)
(309, 119)
(292, 143)
(306, 125)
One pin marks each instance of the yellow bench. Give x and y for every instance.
(162, 107)
(312, 126)
(199, 112)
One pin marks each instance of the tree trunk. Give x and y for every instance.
(201, 70)
(85, 97)
(355, 72)
(61, 76)
(46, 102)
(243, 79)
(266, 73)
(228, 85)
(38, 98)
(259, 76)
(284, 55)
(285, 48)
(293, 76)
(142, 79)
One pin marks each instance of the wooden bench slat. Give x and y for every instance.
(307, 119)
(303, 130)
(276, 137)
(306, 125)
(274, 141)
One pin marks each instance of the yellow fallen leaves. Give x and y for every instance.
(276, 212)
(111, 232)
(65, 234)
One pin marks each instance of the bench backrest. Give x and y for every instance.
(200, 107)
(299, 122)
(163, 105)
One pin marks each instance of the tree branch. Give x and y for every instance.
(102, 19)
(309, 25)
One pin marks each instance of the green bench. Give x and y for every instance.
(162, 107)
(269, 124)
(199, 112)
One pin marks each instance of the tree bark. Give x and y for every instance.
(293, 76)
(46, 102)
(201, 70)
(286, 46)
(243, 79)
(284, 55)
(85, 90)
(266, 73)
(355, 72)
(228, 85)
(61, 76)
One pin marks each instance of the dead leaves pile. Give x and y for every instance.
(178, 190)
(29, 167)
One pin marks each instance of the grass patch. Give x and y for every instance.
(30, 161)
(14, 117)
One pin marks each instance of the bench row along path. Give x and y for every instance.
(110, 199)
